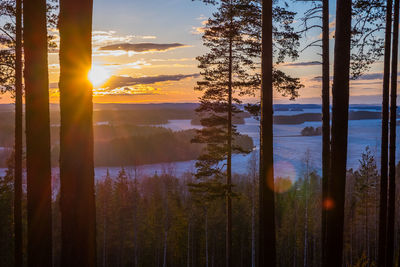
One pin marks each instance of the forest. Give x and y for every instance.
(58, 126)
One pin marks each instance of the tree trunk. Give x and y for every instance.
(384, 141)
(206, 233)
(326, 129)
(392, 149)
(188, 246)
(105, 231)
(37, 134)
(340, 113)
(18, 138)
(267, 252)
(229, 156)
(165, 248)
(305, 252)
(253, 219)
(76, 135)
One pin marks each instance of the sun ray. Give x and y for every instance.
(98, 75)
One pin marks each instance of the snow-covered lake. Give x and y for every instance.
(289, 148)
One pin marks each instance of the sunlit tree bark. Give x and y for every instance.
(76, 135)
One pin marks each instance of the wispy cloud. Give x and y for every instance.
(141, 47)
(310, 63)
(125, 81)
(138, 90)
(199, 29)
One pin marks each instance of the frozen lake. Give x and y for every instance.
(289, 148)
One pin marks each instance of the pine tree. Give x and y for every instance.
(37, 134)
(78, 215)
(6, 218)
(227, 72)
(18, 146)
(11, 62)
(336, 187)
(385, 141)
(392, 145)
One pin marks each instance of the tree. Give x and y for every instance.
(37, 134)
(326, 128)
(104, 206)
(228, 71)
(76, 135)
(385, 141)
(366, 48)
(18, 257)
(6, 218)
(336, 187)
(11, 62)
(392, 149)
(267, 242)
(364, 200)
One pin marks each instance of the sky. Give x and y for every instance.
(144, 52)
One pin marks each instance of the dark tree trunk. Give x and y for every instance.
(340, 113)
(384, 141)
(326, 129)
(18, 138)
(229, 159)
(37, 134)
(392, 149)
(76, 135)
(267, 251)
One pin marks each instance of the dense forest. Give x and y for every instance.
(140, 218)
(211, 215)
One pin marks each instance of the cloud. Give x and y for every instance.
(365, 77)
(310, 63)
(103, 38)
(173, 59)
(139, 90)
(141, 47)
(147, 37)
(199, 30)
(372, 76)
(125, 81)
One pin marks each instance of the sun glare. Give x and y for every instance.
(98, 75)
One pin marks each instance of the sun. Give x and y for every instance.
(98, 75)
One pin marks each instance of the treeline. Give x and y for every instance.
(159, 221)
(304, 117)
(126, 144)
(147, 146)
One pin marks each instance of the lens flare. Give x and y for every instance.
(328, 204)
(285, 174)
(98, 75)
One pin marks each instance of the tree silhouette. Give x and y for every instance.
(336, 187)
(76, 135)
(37, 134)
(392, 149)
(228, 72)
(11, 62)
(267, 239)
(18, 257)
(385, 141)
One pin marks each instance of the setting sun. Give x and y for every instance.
(98, 75)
